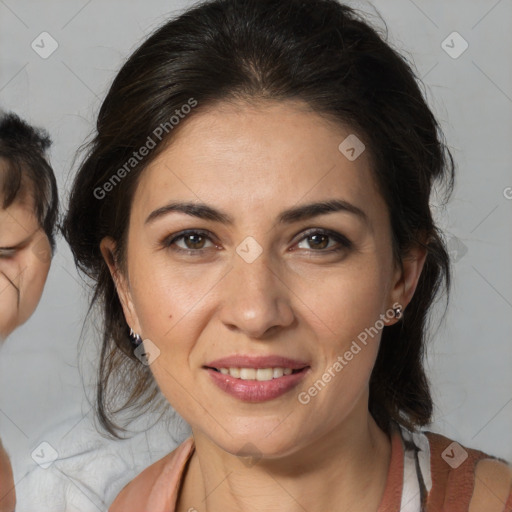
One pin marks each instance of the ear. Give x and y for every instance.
(122, 283)
(406, 277)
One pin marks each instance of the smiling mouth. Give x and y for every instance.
(257, 374)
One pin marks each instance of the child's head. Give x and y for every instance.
(28, 214)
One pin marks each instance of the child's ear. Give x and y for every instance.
(108, 250)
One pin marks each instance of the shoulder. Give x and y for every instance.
(468, 479)
(7, 493)
(157, 486)
(493, 486)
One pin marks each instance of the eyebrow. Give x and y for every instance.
(19, 244)
(289, 216)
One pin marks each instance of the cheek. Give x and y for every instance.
(173, 306)
(22, 280)
(344, 312)
(341, 303)
(32, 284)
(8, 303)
(170, 299)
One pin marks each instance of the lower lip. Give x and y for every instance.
(256, 390)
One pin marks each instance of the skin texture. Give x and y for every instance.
(25, 256)
(7, 492)
(296, 299)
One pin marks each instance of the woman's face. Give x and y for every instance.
(261, 276)
(25, 256)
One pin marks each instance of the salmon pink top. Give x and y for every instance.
(427, 473)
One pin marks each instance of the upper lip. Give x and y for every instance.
(242, 361)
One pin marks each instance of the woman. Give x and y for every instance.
(28, 214)
(289, 337)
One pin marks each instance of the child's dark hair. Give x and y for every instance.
(322, 53)
(24, 168)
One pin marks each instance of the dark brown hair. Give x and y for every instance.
(317, 51)
(25, 169)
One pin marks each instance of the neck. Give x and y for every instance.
(346, 469)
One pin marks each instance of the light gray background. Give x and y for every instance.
(470, 359)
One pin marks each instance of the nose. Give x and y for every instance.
(256, 300)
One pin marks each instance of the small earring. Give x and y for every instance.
(398, 312)
(135, 338)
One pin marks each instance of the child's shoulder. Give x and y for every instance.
(7, 492)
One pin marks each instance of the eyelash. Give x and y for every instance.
(7, 252)
(344, 242)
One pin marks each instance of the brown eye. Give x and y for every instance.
(319, 240)
(189, 242)
(194, 241)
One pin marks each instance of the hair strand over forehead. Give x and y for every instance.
(26, 172)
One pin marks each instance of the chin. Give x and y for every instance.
(268, 442)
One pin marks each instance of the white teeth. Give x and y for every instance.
(264, 374)
(247, 373)
(260, 374)
(278, 372)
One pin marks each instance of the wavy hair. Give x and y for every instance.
(323, 53)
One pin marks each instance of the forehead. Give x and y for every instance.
(26, 190)
(17, 221)
(245, 156)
